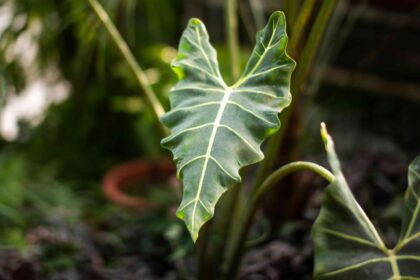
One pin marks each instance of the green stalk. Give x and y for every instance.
(141, 77)
(204, 260)
(224, 222)
(236, 217)
(298, 78)
(232, 36)
(326, 53)
(300, 24)
(291, 8)
(235, 258)
(312, 46)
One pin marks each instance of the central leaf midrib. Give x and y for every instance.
(216, 124)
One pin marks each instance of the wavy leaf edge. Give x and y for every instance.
(262, 91)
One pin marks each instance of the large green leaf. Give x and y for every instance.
(347, 245)
(217, 129)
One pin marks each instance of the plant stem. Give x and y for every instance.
(311, 47)
(291, 8)
(213, 237)
(203, 255)
(280, 173)
(301, 21)
(232, 36)
(234, 259)
(142, 80)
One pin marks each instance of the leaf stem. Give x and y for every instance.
(232, 36)
(280, 173)
(141, 78)
(234, 257)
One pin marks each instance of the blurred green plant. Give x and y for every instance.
(63, 34)
(30, 196)
(347, 244)
(36, 181)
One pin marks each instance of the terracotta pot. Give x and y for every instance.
(141, 170)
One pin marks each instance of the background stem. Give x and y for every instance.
(141, 78)
(291, 7)
(312, 45)
(299, 26)
(232, 37)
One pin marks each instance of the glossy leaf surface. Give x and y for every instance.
(217, 129)
(347, 245)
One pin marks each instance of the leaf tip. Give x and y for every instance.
(195, 21)
(330, 149)
(324, 131)
(194, 236)
(328, 142)
(193, 232)
(278, 14)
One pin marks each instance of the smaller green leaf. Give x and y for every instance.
(347, 245)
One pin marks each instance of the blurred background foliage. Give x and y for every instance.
(364, 82)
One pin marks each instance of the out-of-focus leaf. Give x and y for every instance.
(347, 245)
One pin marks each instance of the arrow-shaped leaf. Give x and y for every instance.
(217, 129)
(347, 245)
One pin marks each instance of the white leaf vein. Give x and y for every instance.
(349, 237)
(244, 90)
(198, 88)
(223, 169)
(215, 78)
(182, 131)
(266, 71)
(259, 153)
(189, 162)
(355, 266)
(250, 112)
